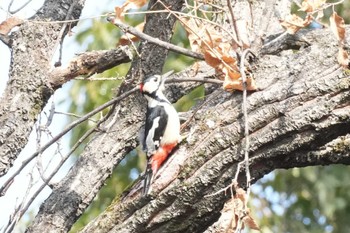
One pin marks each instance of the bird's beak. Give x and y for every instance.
(166, 75)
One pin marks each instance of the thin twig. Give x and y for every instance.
(176, 13)
(218, 192)
(99, 78)
(193, 31)
(136, 13)
(202, 80)
(245, 116)
(325, 6)
(234, 183)
(59, 165)
(58, 149)
(51, 114)
(230, 7)
(9, 6)
(74, 115)
(153, 40)
(38, 131)
(19, 209)
(62, 31)
(18, 9)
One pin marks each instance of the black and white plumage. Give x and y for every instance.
(162, 127)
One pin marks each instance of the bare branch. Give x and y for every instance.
(234, 23)
(201, 80)
(5, 39)
(63, 31)
(242, 71)
(89, 63)
(75, 115)
(155, 41)
(19, 8)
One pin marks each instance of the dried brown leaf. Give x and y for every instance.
(119, 13)
(343, 58)
(191, 26)
(217, 52)
(237, 206)
(137, 3)
(229, 213)
(127, 38)
(294, 23)
(199, 35)
(7, 25)
(212, 38)
(241, 194)
(312, 5)
(250, 222)
(211, 59)
(337, 26)
(230, 85)
(129, 4)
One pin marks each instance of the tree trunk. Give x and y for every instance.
(28, 89)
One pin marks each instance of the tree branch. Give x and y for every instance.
(90, 63)
(6, 40)
(125, 28)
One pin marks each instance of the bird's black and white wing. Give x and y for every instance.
(156, 123)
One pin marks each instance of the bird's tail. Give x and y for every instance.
(155, 161)
(147, 180)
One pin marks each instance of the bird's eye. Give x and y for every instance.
(156, 79)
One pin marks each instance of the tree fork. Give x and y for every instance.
(70, 198)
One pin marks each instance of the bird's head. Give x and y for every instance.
(154, 84)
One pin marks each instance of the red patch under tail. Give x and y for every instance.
(161, 155)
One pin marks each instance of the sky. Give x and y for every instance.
(17, 190)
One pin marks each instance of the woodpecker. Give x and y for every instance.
(162, 127)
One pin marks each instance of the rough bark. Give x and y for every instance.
(90, 63)
(27, 90)
(299, 118)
